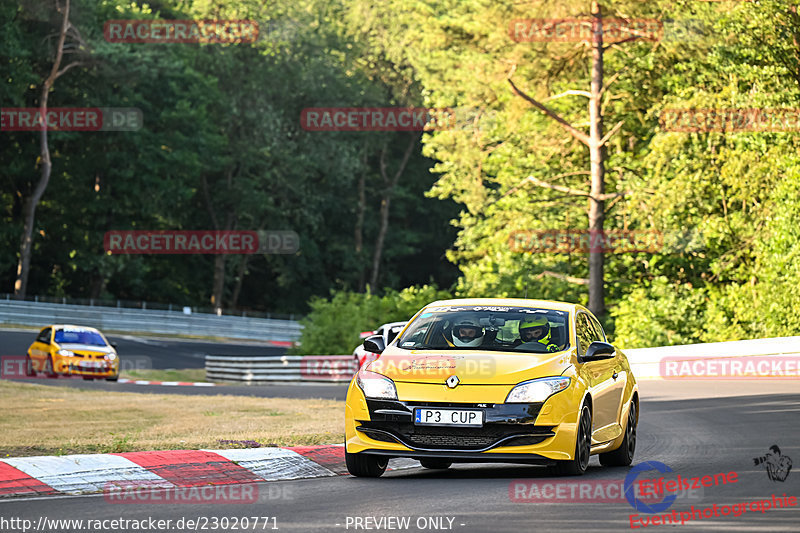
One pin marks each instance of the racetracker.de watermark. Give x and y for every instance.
(439, 367)
(71, 119)
(592, 491)
(201, 242)
(613, 30)
(377, 119)
(745, 367)
(730, 120)
(181, 31)
(585, 241)
(156, 492)
(15, 366)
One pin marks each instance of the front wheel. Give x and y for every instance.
(113, 378)
(48, 368)
(365, 465)
(435, 464)
(29, 370)
(580, 461)
(623, 456)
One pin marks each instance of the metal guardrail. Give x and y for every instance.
(277, 368)
(148, 321)
(141, 304)
(646, 362)
(337, 368)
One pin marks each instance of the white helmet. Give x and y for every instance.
(467, 334)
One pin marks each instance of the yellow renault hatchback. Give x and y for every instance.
(493, 380)
(73, 350)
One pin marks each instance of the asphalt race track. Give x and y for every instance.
(696, 428)
(162, 352)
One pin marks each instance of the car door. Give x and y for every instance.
(40, 349)
(619, 375)
(601, 381)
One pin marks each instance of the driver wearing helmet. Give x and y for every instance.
(536, 329)
(467, 333)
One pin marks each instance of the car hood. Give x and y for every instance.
(83, 348)
(473, 367)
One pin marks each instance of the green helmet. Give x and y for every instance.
(535, 328)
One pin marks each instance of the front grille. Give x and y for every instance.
(451, 441)
(78, 368)
(455, 438)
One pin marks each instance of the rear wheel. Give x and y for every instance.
(623, 456)
(580, 461)
(365, 465)
(48, 368)
(113, 378)
(29, 370)
(435, 464)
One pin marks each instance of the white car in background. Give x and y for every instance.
(388, 331)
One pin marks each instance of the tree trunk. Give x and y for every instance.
(29, 207)
(237, 289)
(219, 283)
(359, 232)
(379, 240)
(597, 158)
(388, 192)
(32, 202)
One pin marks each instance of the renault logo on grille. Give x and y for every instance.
(452, 382)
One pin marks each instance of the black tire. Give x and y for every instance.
(365, 465)
(623, 456)
(113, 378)
(435, 464)
(48, 368)
(583, 444)
(30, 371)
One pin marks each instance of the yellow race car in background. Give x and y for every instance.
(72, 350)
(493, 380)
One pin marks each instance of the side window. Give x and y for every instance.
(393, 333)
(44, 336)
(601, 335)
(584, 332)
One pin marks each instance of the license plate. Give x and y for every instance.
(448, 417)
(90, 364)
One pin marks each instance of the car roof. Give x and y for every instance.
(517, 302)
(73, 326)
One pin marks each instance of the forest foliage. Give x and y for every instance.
(225, 119)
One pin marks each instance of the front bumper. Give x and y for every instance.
(504, 425)
(77, 366)
(535, 433)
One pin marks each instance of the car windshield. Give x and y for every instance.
(512, 329)
(79, 336)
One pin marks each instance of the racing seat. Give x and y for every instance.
(558, 335)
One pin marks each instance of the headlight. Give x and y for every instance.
(376, 386)
(111, 356)
(64, 352)
(537, 390)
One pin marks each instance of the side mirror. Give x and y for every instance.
(598, 351)
(113, 345)
(374, 344)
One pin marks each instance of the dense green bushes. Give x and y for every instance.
(333, 325)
